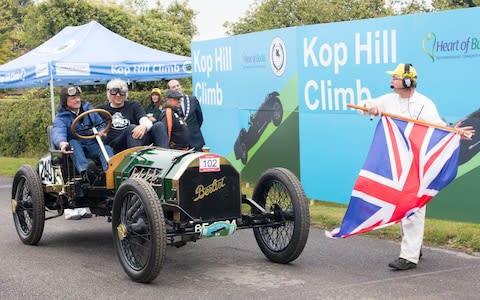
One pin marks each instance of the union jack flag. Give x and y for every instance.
(406, 166)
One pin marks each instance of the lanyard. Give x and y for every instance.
(186, 106)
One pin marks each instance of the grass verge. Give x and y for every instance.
(9, 165)
(440, 233)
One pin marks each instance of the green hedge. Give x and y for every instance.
(23, 124)
(24, 119)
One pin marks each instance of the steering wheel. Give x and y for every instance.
(106, 119)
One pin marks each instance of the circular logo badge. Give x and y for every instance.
(187, 66)
(278, 56)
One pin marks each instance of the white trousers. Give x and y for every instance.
(412, 235)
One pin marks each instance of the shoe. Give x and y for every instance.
(92, 171)
(84, 212)
(402, 264)
(72, 214)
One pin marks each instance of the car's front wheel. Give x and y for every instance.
(243, 153)
(139, 230)
(279, 192)
(277, 113)
(28, 205)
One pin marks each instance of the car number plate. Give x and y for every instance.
(209, 163)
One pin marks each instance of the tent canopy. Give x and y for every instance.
(90, 54)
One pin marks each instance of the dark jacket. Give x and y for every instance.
(194, 117)
(156, 111)
(179, 135)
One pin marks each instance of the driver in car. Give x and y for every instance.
(70, 107)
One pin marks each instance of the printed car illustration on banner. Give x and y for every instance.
(469, 148)
(271, 110)
(454, 199)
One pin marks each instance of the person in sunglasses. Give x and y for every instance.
(130, 125)
(69, 108)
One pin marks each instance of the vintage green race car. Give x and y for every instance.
(156, 197)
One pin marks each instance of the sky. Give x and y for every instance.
(213, 13)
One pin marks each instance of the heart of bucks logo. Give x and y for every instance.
(428, 45)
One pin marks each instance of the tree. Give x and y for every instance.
(450, 4)
(171, 30)
(168, 30)
(182, 17)
(269, 14)
(411, 6)
(47, 18)
(138, 6)
(11, 15)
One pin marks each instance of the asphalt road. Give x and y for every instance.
(76, 260)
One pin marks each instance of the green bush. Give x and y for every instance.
(23, 124)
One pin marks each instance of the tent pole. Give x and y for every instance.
(52, 100)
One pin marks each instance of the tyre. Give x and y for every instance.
(277, 113)
(28, 205)
(277, 190)
(138, 228)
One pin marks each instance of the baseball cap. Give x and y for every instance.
(400, 71)
(156, 90)
(173, 94)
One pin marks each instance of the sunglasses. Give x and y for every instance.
(73, 91)
(114, 91)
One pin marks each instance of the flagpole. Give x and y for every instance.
(460, 131)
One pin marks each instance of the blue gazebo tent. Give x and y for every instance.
(90, 54)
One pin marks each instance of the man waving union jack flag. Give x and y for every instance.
(409, 162)
(407, 165)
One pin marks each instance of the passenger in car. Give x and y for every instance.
(130, 125)
(70, 107)
(173, 119)
(154, 108)
(192, 113)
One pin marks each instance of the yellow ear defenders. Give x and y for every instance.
(408, 79)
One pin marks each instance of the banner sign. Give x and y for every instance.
(279, 97)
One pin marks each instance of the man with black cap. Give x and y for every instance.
(177, 127)
(192, 112)
(70, 107)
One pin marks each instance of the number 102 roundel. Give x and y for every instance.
(209, 163)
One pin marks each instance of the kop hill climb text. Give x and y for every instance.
(221, 61)
(379, 47)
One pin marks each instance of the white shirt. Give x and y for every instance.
(417, 107)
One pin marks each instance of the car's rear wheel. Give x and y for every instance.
(243, 153)
(139, 230)
(28, 205)
(280, 193)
